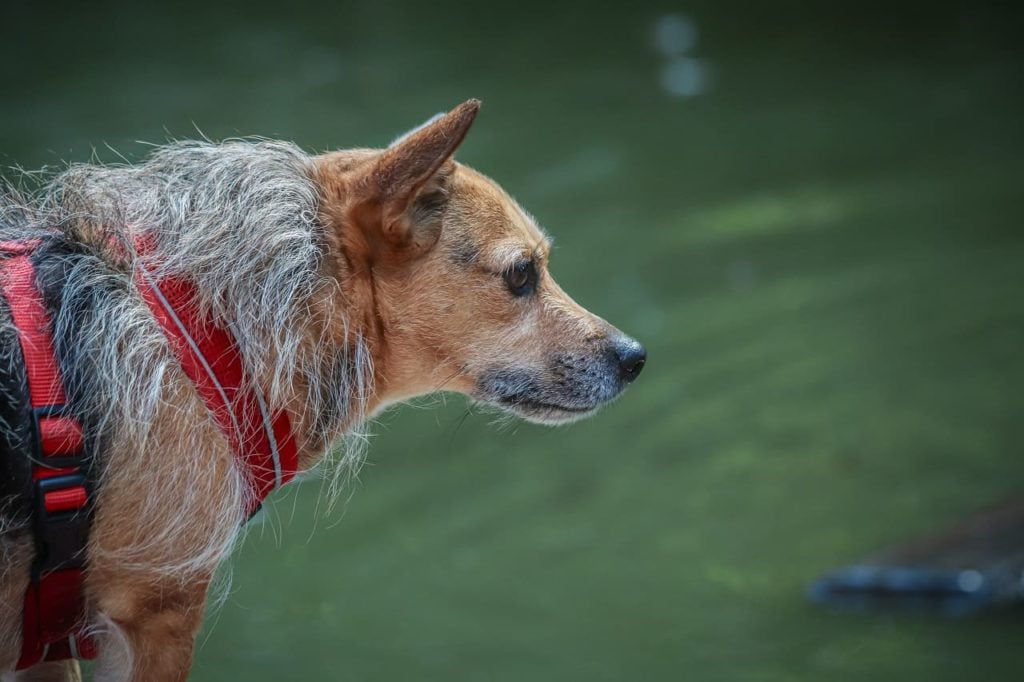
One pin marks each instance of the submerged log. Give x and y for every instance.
(975, 564)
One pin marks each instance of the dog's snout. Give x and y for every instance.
(630, 356)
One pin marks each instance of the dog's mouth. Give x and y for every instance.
(528, 396)
(545, 412)
(547, 397)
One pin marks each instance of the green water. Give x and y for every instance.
(820, 243)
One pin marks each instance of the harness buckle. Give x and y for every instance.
(58, 437)
(62, 522)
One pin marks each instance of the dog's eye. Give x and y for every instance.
(521, 278)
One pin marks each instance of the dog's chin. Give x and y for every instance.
(540, 412)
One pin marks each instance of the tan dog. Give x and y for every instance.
(351, 281)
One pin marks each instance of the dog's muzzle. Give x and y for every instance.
(569, 387)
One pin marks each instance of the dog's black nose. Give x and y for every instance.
(631, 357)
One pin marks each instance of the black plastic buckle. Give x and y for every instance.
(61, 537)
(37, 435)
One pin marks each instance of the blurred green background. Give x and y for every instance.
(809, 212)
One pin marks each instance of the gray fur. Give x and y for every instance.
(239, 219)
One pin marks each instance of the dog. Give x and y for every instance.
(350, 281)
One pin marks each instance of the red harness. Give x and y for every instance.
(261, 440)
(54, 611)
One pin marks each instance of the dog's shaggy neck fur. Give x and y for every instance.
(239, 219)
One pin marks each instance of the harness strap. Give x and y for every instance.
(261, 440)
(54, 608)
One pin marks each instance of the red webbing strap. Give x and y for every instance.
(54, 608)
(262, 441)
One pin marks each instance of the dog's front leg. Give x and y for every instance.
(150, 639)
(56, 671)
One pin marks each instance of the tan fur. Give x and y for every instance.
(422, 288)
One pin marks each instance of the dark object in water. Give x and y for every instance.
(976, 564)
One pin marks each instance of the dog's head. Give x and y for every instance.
(451, 279)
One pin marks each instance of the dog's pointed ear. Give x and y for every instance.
(405, 169)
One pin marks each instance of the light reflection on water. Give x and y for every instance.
(682, 74)
(674, 34)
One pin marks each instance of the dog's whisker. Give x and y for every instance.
(458, 425)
